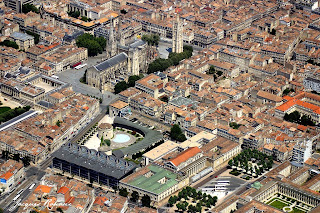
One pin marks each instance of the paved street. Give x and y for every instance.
(33, 175)
(202, 182)
(72, 76)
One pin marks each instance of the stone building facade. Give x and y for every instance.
(177, 36)
(131, 60)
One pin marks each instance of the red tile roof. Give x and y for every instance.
(6, 175)
(63, 190)
(284, 107)
(43, 189)
(185, 155)
(100, 200)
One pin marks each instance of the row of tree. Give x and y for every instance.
(95, 45)
(161, 64)
(145, 200)
(122, 85)
(296, 117)
(7, 115)
(9, 43)
(245, 161)
(177, 134)
(202, 199)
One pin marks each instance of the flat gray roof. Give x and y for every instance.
(21, 36)
(94, 160)
(18, 119)
(313, 79)
(179, 101)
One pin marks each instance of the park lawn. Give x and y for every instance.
(295, 210)
(4, 109)
(278, 204)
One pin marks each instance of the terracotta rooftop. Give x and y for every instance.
(185, 155)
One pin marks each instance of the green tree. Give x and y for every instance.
(230, 163)
(35, 35)
(132, 80)
(123, 192)
(172, 200)
(101, 140)
(181, 138)
(95, 45)
(134, 196)
(173, 60)
(121, 86)
(107, 142)
(286, 92)
(177, 134)
(85, 18)
(293, 117)
(179, 206)
(152, 39)
(83, 79)
(26, 8)
(74, 14)
(58, 123)
(234, 125)
(192, 208)
(9, 43)
(306, 120)
(145, 200)
(211, 71)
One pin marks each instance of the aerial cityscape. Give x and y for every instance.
(146, 106)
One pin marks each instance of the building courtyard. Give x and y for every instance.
(287, 204)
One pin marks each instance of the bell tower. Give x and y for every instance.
(177, 36)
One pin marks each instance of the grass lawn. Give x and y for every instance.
(4, 109)
(275, 202)
(295, 210)
(278, 204)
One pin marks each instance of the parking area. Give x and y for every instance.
(72, 76)
(9, 103)
(222, 186)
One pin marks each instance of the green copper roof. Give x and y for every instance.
(257, 185)
(152, 183)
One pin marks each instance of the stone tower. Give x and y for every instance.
(135, 62)
(111, 44)
(177, 36)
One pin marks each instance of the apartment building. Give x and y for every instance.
(11, 173)
(24, 41)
